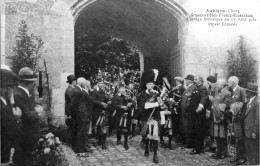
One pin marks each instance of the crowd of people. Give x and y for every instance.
(188, 111)
(19, 117)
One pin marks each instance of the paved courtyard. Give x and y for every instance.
(116, 155)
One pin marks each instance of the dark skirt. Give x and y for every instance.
(100, 119)
(123, 122)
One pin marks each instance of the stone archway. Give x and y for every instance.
(61, 30)
(154, 27)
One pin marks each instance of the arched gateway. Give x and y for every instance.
(155, 27)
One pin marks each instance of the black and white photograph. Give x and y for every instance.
(129, 82)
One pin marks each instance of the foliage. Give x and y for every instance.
(241, 64)
(106, 53)
(27, 50)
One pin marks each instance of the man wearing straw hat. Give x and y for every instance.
(30, 113)
(10, 119)
(251, 124)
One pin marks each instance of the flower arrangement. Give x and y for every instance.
(47, 150)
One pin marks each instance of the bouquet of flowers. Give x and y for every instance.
(47, 149)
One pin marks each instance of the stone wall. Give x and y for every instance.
(52, 21)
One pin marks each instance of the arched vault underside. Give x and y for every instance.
(148, 26)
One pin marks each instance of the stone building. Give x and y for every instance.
(158, 28)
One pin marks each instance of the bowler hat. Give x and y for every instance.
(179, 79)
(190, 77)
(71, 78)
(211, 79)
(8, 78)
(26, 74)
(252, 87)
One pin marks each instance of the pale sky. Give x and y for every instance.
(225, 35)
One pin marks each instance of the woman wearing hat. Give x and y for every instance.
(30, 117)
(10, 119)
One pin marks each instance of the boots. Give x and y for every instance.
(104, 146)
(146, 151)
(142, 143)
(151, 146)
(133, 130)
(119, 137)
(170, 146)
(162, 143)
(126, 140)
(155, 149)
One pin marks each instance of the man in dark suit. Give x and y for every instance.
(238, 98)
(10, 120)
(251, 124)
(68, 95)
(30, 113)
(197, 108)
(82, 118)
(185, 114)
(100, 115)
(75, 101)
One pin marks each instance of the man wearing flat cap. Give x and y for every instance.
(10, 119)
(185, 99)
(212, 91)
(71, 80)
(30, 113)
(251, 124)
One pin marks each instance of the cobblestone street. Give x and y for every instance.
(116, 155)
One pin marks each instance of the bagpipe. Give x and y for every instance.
(130, 95)
(162, 98)
(167, 93)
